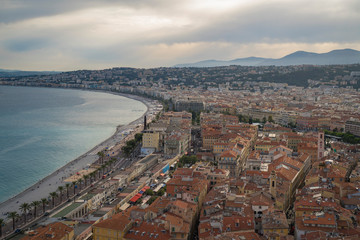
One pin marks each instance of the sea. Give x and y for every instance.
(42, 129)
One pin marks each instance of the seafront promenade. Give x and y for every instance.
(51, 183)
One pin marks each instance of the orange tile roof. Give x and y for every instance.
(52, 231)
(147, 230)
(116, 222)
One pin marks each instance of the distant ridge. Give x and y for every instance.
(18, 73)
(341, 56)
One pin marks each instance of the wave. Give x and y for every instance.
(20, 145)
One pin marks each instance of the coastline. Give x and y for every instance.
(50, 183)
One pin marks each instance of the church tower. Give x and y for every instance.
(273, 184)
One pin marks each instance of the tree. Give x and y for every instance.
(101, 155)
(74, 186)
(61, 189)
(2, 222)
(44, 201)
(67, 186)
(270, 118)
(24, 207)
(79, 182)
(138, 137)
(187, 160)
(35, 204)
(13, 216)
(92, 176)
(161, 192)
(149, 192)
(152, 199)
(86, 177)
(53, 195)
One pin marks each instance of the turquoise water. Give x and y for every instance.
(42, 129)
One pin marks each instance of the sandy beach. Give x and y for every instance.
(51, 182)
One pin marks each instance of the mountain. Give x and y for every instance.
(18, 73)
(343, 56)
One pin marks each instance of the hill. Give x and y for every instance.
(343, 56)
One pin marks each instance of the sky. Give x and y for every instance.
(66, 35)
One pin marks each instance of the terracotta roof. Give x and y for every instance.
(145, 230)
(116, 222)
(52, 231)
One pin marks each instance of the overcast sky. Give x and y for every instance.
(96, 34)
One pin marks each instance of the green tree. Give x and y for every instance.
(53, 195)
(24, 207)
(152, 199)
(60, 189)
(101, 155)
(74, 186)
(35, 205)
(67, 186)
(149, 192)
(187, 160)
(138, 137)
(270, 118)
(44, 201)
(161, 192)
(86, 177)
(13, 216)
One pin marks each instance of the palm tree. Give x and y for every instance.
(35, 204)
(80, 181)
(53, 195)
(24, 208)
(67, 189)
(103, 168)
(61, 189)
(74, 185)
(112, 160)
(85, 179)
(44, 201)
(101, 156)
(1, 224)
(13, 216)
(99, 172)
(92, 176)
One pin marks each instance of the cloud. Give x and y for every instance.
(69, 35)
(20, 45)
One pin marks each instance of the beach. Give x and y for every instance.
(51, 182)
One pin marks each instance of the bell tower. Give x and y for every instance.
(273, 184)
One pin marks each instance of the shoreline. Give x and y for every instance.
(50, 183)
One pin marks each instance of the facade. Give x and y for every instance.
(113, 228)
(353, 127)
(189, 105)
(150, 142)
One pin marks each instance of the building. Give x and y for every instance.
(353, 127)
(150, 142)
(274, 225)
(113, 228)
(53, 231)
